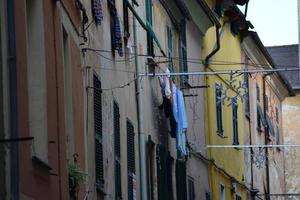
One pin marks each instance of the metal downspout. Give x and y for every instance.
(14, 161)
(140, 116)
(266, 139)
(217, 47)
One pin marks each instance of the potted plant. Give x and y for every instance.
(76, 178)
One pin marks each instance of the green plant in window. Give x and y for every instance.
(76, 178)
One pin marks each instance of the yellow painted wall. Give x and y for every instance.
(229, 159)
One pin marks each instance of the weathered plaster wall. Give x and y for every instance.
(291, 127)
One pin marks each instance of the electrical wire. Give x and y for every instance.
(111, 69)
(195, 60)
(116, 87)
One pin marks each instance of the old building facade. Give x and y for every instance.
(265, 167)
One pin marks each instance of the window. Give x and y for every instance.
(164, 173)
(207, 196)
(266, 102)
(235, 121)
(150, 48)
(117, 148)
(219, 108)
(257, 93)
(98, 134)
(150, 167)
(191, 189)
(238, 197)
(183, 51)
(258, 117)
(126, 20)
(181, 187)
(222, 192)
(170, 48)
(277, 126)
(246, 96)
(37, 81)
(130, 160)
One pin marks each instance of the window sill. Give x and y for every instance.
(41, 165)
(221, 134)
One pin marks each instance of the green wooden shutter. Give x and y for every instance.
(183, 51)
(235, 121)
(150, 47)
(117, 148)
(277, 126)
(98, 133)
(162, 173)
(150, 148)
(257, 92)
(170, 48)
(130, 159)
(218, 90)
(181, 180)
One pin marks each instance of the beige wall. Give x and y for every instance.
(291, 126)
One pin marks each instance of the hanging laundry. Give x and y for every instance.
(181, 124)
(97, 11)
(129, 45)
(182, 119)
(117, 35)
(164, 82)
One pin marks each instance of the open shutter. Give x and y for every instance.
(130, 159)
(117, 148)
(98, 134)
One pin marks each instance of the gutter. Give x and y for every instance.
(13, 107)
(140, 115)
(217, 47)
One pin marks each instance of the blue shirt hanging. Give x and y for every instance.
(97, 11)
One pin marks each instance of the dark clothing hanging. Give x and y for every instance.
(116, 34)
(173, 125)
(97, 11)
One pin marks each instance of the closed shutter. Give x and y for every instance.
(150, 49)
(98, 133)
(170, 48)
(181, 180)
(183, 51)
(277, 126)
(219, 108)
(162, 173)
(150, 148)
(235, 121)
(117, 148)
(130, 159)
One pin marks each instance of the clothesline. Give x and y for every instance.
(254, 146)
(230, 72)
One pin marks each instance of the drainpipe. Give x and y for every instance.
(140, 115)
(266, 139)
(14, 150)
(217, 47)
